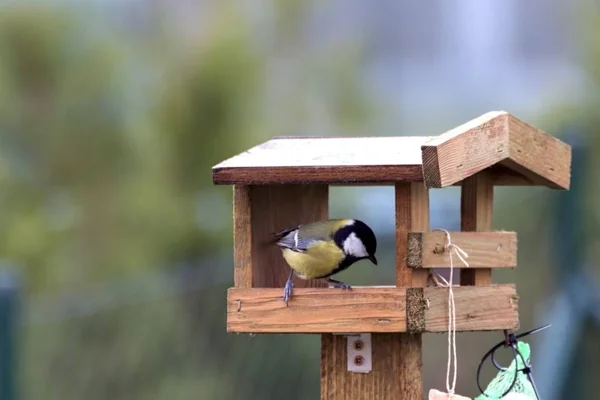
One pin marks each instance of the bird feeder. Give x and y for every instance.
(371, 336)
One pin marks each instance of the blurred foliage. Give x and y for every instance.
(111, 117)
(109, 128)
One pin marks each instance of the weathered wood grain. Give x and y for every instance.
(476, 208)
(371, 309)
(496, 138)
(485, 249)
(381, 383)
(412, 214)
(273, 208)
(537, 155)
(340, 175)
(242, 237)
(465, 150)
(483, 308)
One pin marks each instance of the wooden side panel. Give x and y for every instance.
(477, 203)
(485, 249)
(274, 208)
(317, 310)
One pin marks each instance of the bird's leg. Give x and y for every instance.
(287, 290)
(339, 284)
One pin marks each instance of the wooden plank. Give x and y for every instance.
(497, 139)
(325, 160)
(370, 309)
(242, 237)
(273, 208)
(538, 155)
(484, 308)
(485, 249)
(353, 176)
(339, 175)
(476, 207)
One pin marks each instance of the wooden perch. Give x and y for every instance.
(371, 310)
(485, 249)
(496, 138)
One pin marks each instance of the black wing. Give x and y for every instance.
(290, 239)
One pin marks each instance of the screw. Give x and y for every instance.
(358, 360)
(358, 345)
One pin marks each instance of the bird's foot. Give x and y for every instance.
(340, 285)
(287, 291)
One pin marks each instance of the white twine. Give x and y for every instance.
(462, 255)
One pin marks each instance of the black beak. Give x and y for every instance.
(373, 259)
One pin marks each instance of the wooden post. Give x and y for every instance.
(397, 363)
(412, 214)
(476, 206)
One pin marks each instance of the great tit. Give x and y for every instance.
(318, 250)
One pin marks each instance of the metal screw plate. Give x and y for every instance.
(359, 353)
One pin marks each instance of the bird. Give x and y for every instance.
(318, 250)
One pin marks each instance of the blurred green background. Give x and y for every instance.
(112, 114)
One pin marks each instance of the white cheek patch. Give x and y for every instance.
(354, 246)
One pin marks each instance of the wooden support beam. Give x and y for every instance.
(485, 249)
(371, 310)
(412, 215)
(393, 352)
(476, 207)
(242, 237)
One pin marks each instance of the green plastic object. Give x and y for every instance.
(500, 384)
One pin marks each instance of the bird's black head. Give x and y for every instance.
(358, 241)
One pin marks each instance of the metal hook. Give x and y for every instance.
(510, 340)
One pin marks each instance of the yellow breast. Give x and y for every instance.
(319, 260)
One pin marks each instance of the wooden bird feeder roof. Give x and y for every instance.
(514, 152)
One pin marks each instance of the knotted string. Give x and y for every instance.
(462, 255)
